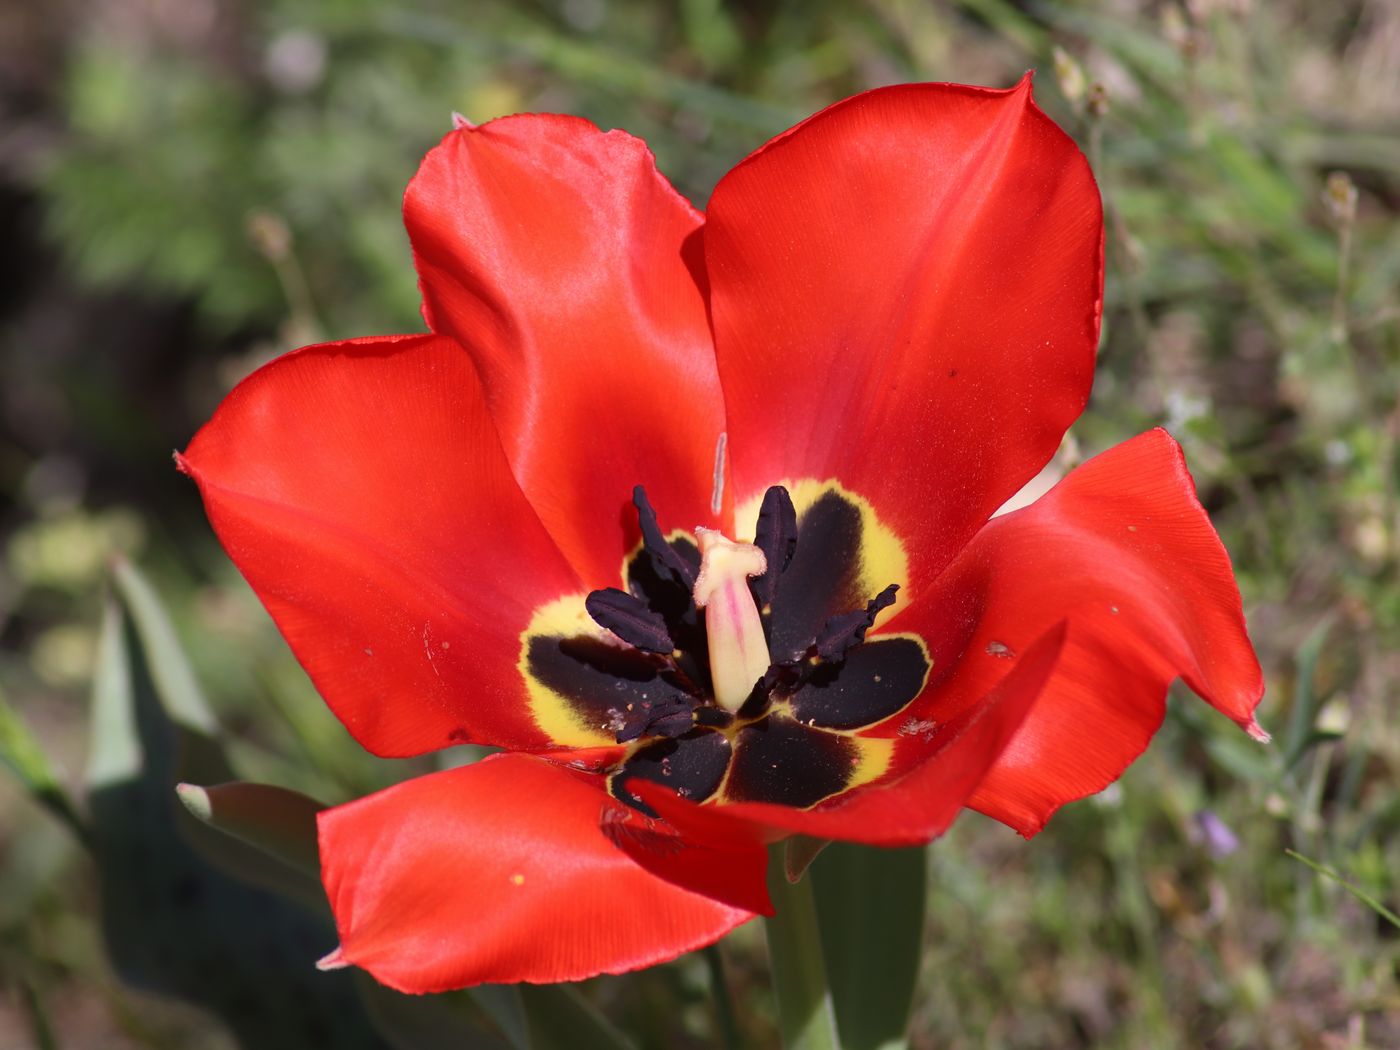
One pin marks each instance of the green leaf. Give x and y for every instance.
(164, 731)
(280, 822)
(22, 753)
(174, 923)
(1300, 736)
(870, 908)
(177, 923)
(1242, 757)
(562, 1019)
(39, 1017)
(114, 751)
(504, 1004)
(799, 853)
(1356, 891)
(806, 1015)
(453, 1021)
(528, 1017)
(171, 672)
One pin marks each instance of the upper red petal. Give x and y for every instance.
(1122, 550)
(569, 267)
(361, 490)
(906, 293)
(508, 870)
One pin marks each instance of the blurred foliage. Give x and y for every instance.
(172, 922)
(190, 186)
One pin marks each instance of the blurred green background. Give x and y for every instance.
(188, 187)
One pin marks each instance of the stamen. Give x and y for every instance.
(840, 633)
(666, 557)
(738, 649)
(629, 618)
(776, 536)
(669, 718)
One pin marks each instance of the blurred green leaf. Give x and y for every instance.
(798, 854)
(177, 925)
(870, 903)
(453, 1021)
(173, 676)
(1356, 891)
(1303, 711)
(711, 31)
(279, 822)
(801, 991)
(1241, 756)
(175, 217)
(39, 1018)
(114, 752)
(562, 1019)
(1256, 184)
(527, 1016)
(504, 1004)
(586, 60)
(173, 924)
(22, 753)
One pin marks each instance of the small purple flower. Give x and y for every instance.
(1215, 835)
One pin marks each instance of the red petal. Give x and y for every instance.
(1122, 549)
(908, 810)
(567, 265)
(504, 871)
(906, 293)
(362, 491)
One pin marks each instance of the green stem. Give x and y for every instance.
(1356, 891)
(724, 1002)
(39, 1018)
(1340, 324)
(806, 1019)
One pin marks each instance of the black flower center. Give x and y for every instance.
(795, 740)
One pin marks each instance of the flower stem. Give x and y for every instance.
(806, 1019)
(724, 1002)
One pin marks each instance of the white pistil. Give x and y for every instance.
(738, 650)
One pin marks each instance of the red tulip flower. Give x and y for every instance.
(691, 514)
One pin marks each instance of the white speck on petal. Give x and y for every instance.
(920, 727)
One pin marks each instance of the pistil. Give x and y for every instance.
(738, 649)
